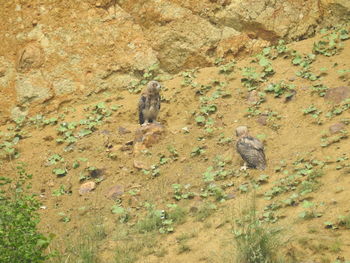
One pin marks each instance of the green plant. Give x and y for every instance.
(330, 44)
(20, 240)
(122, 213)
(227, 68)
(83, 246)
(255, 242)
(344, 221)
(280, 89)
(310, 211)
(153, 171)
(179, 192)
(313, 111)
(60, 171)
(161, 220)
(205, 210)
(197, 151)
(148, 74)
(8, 149)
(152, 221)
(61, 191)
(320, 89)
(266, 64)
(251, 79)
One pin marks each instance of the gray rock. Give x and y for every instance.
(115, 192)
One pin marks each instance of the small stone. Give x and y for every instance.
(338, 94)
(146, 136)
(231, 195)
(193, 209)
(129, 143)
(115, 192)
(87, 187)
(48, 138)
(140, 165)
(122, 130)
(253, 97)
(2, 72)
(335, 128)
(262, 119)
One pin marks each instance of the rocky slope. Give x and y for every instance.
(55, 51)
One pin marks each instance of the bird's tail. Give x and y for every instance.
(141, 119)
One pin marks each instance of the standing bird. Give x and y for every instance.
(149, 103)
(250, 149)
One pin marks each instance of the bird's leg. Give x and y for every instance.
(145, 123)
(244, 167)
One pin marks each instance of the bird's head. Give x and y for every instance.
(153, 87)
(241, 131)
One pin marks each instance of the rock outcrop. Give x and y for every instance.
(64, 49)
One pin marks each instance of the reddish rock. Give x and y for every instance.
(147, 135)
(115, 192)
(338, 94)
(335, 128)
(87, 187)
(139, 165)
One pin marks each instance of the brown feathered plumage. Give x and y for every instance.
(250, 149)
(149, 103)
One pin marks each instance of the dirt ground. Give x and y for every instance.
(292, 139)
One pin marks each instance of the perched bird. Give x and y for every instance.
(250, 149)
(149, 103)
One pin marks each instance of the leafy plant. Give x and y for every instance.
(280, 89)
(8, 149)
(251, 79)
(330, 44)
(147, 75)
(122, 213)
(20, 239)
(60, 191)
(227, 68)
(197, 151)
(320, 89)
(179, 192)
(59, 171)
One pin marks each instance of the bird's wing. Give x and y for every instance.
(142, 105)
(158, 101)
(252, 151)
(252, 142)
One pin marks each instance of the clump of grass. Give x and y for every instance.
(204, 211)
(161, 220)
(83, 247)
(133, 245)
(255, 242)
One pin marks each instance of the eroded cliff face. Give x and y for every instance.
(54, 51)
